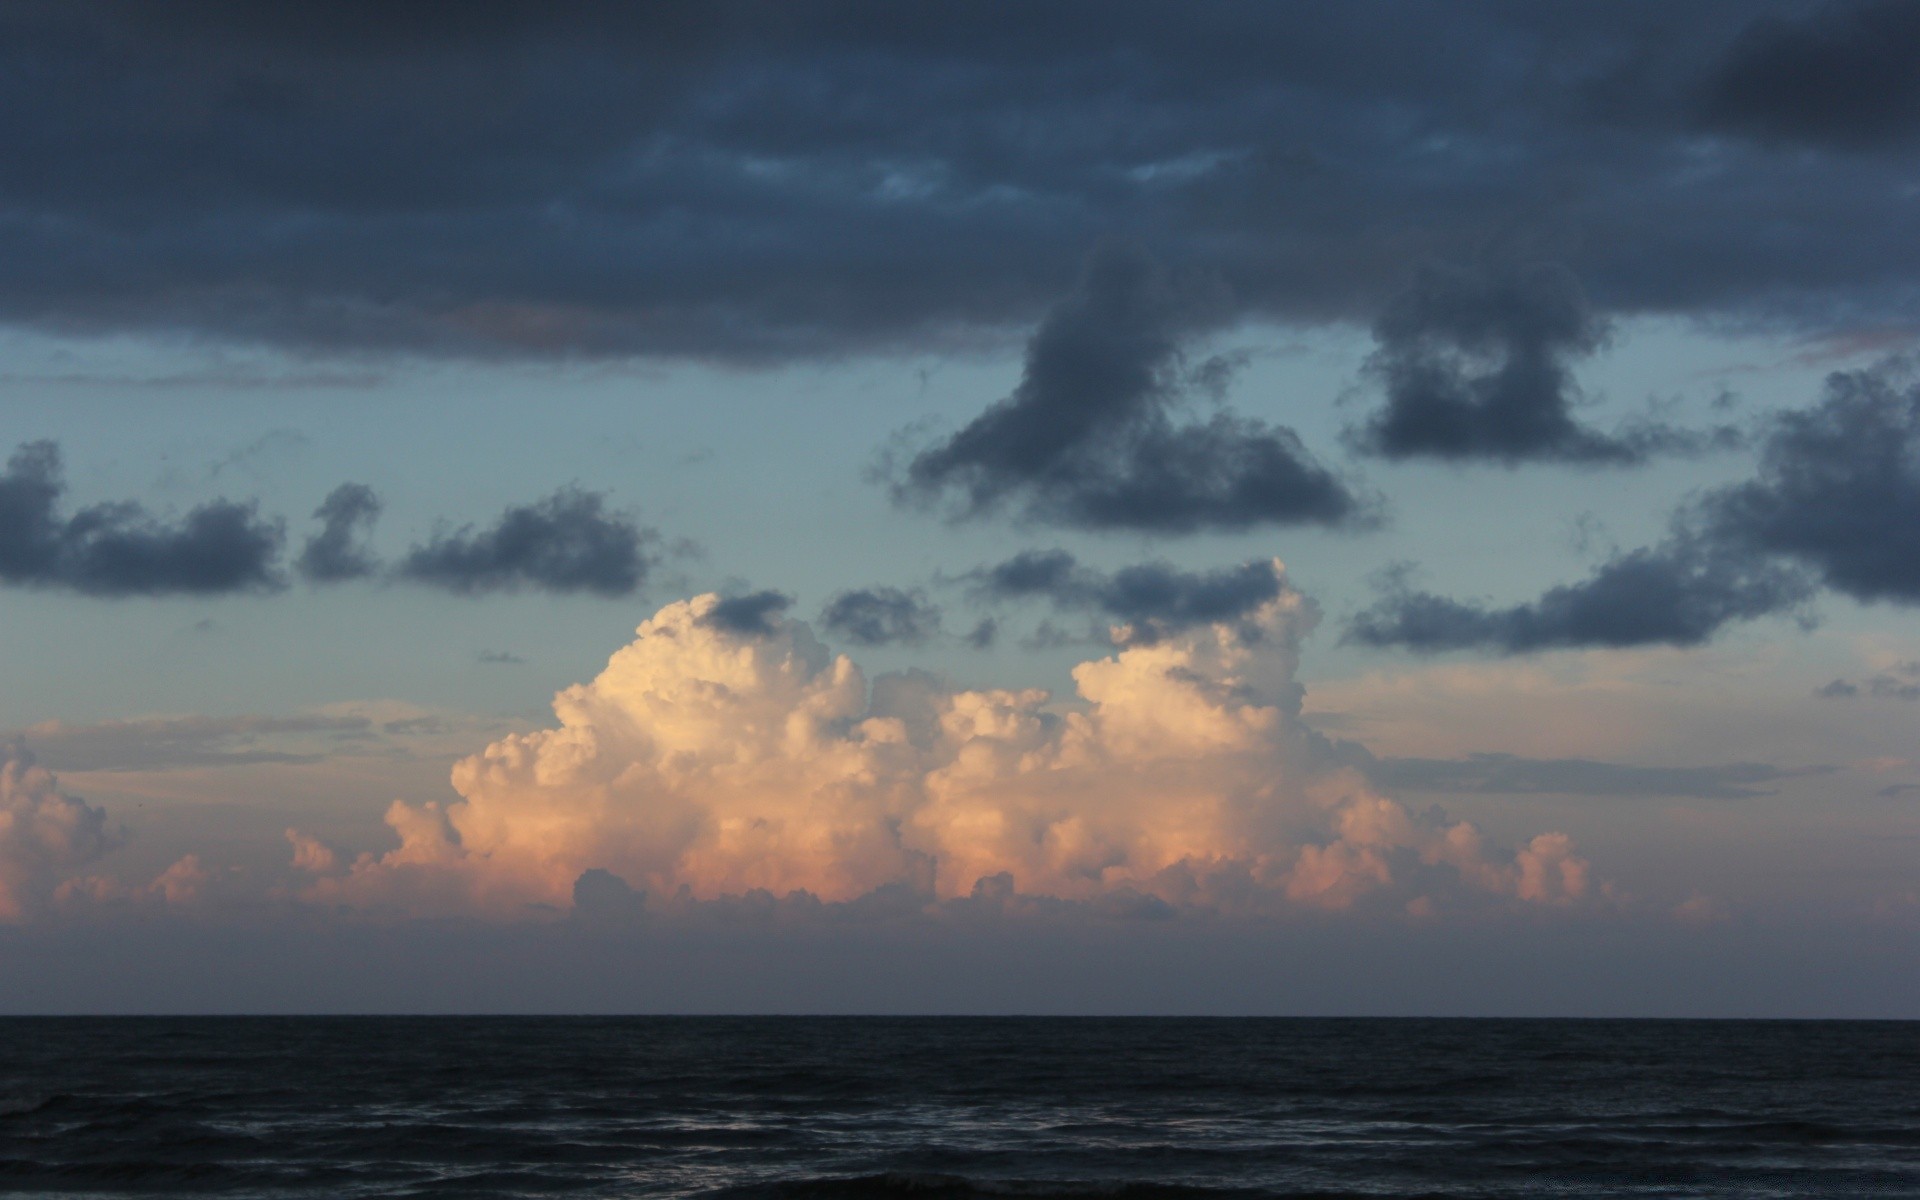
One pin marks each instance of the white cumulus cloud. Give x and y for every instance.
(714, 761)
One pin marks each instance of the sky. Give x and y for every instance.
(834, 507)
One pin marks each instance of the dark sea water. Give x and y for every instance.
(946, 1109)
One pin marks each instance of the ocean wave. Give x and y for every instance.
(915, 1186)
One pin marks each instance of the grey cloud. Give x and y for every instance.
(1835, 501)
(1840, 76)
(1838, 489)
(1899, 682)
(567, 542)
(1153, 598)
(751, 615)
(882, 616)
(1679, 593)
(1477, 363)
(499, 657)
(602, 898)
(983, 635)
(1089, 439)
(339, 551)
(1505, 774)
(119, 549)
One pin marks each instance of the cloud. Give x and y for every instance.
(1898, 682)
(1477, 363)
(881, 616)
(1838, 489)
(1841, 76)
(755, 614)
(566, 542)
(120, 550)
(598, 179)
(1835, 501)
(1151, 600)
(718, 763)
(1087, 438)
(161, 743)
(1510, 774)
(1679, 593)
(339, 551)
(46, 835)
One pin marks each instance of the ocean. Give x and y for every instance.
(957, 1108)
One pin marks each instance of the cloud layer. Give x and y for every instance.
(756, 181)
(714, 761)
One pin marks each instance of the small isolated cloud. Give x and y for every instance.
(1841, 76)
(755, 614)
(121, 550)
(1089, 438)
(1477, 363)
(339, 551)
(881, 616)
(708, 761)
(499, 658)
(1150, 600)
(1898, 682)
(46, 835)
(568, 542)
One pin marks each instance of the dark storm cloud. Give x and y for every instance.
(1153, 598)
(1835, 501)
(567, 542)
(882, 616)
(339, 552)
(121, 550)
(1088, 438)
(752, 614)
(1679, 593)
(1477, 363)
(758, 181)
(1838, 489)
(1842, 76)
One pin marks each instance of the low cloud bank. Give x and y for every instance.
(711, 760)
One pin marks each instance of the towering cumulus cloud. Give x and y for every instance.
(717, 760)
(45, 835)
